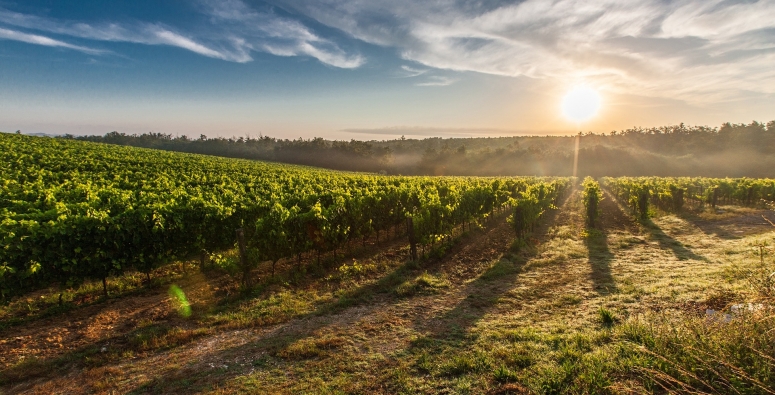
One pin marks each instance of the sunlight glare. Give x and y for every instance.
(581, 104)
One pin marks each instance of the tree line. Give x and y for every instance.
(731, 150)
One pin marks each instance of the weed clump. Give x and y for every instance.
(425, 283)
(312, 347)
(607, 317)
(505, 375)
(468, 362)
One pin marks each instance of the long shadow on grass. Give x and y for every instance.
(302, 338)
(730, 228)
(166, 335)
(311, 274)
(263, 351)
(484, 293)
(157, 337)
(613, 217)
(116, 339)
(668, 243)
(210, 368)
(86, 300)
(600, 258)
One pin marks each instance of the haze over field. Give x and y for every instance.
(378, 70)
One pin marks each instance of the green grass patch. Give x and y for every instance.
(425, 283)
(276, 308)
(312, 347)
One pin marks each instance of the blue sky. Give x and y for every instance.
(375, 69)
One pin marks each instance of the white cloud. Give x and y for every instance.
(235, 32)
(696, 50)
(140, 33)
(176, 40)
(42, 40)
(230, 10)
(278, 35)
(334, 58)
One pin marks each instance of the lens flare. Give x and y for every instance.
(581, 104)
(183, 306)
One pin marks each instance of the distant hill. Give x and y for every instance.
(732, 150)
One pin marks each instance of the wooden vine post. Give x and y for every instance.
(243, 258)
(749, 197)
(678, 199)
(704, 198)
(412, 240)
(643, 203)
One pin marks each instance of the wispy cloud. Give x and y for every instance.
(428, 79)
(176, 40)
(235, 30)
(437, 80)
(697, 50)
(140, 33)
(409, 72)
(269, 32)
(43, 40)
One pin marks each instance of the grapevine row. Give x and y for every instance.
(591, 196)
(71, 211)
(672, 193)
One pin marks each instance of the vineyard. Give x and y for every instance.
(72, 211)
(317, 281)
(670, 194)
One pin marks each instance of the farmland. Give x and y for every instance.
(74, 211)
(123, 271)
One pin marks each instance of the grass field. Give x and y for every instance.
(621, 308)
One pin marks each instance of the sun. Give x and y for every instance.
(581, 104)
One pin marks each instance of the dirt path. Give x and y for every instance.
(111, 321)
